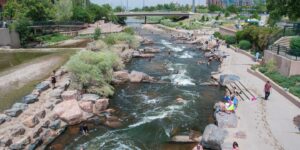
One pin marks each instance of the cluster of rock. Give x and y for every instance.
(45, 113)
(215, 134)
(120, 77)
(147, 42)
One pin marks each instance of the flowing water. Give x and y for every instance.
(149, 112)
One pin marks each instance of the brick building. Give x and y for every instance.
(2, 2)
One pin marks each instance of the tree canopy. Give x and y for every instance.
(279, 8)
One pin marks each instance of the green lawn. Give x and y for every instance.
(52, 38)
(292, 83)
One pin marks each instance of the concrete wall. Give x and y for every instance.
(227, 31)
(286, 66)
(8, 38)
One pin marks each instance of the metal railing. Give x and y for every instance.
(285, 51)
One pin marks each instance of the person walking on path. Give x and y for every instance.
(267, 89)
(257, 56)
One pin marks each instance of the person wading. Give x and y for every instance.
(267, 89)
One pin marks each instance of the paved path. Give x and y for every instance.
(268, 125)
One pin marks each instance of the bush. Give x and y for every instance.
(93, 71)
(52, 38)
(244, 44)
(230, 39)
(122, 37)
(169, 23)
(97, 33)
(295, 46)
(129, 30)
(218, 35)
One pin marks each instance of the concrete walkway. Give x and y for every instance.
(263, 125)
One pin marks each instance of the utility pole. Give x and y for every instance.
(127, 5)
(143, 3)
(193, 7)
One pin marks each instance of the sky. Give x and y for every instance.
(139, 3)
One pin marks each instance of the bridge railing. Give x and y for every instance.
(48, 23)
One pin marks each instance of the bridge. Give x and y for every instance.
(145, 14)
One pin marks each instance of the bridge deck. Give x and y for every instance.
(153, 14)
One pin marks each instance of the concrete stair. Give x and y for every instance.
(284, 41)
(244, 93)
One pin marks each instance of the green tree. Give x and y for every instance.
(214, 8)
(227, 14)
(39, 10)
(81, 14)
(202, 18)
(64, 10)
(279, 8)
(119, 9)
(11, 8)
(232, 9)
(97, 33)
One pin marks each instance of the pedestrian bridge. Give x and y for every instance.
(145, 14)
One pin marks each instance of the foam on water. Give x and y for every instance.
(186, 54)
(170, 46)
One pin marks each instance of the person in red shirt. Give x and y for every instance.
(267, 90)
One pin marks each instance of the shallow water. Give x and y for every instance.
(149, 112)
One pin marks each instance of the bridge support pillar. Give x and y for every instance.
(145, 20)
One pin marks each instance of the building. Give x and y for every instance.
(226, 3)
(2, 3)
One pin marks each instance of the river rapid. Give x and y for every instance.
(150, 113)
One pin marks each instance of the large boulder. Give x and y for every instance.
(69, 111)
(226, 120)
(64, 83)
(213, 137)
(90, 97)
(21, 144)
(38, 142)
(31, 121)
(55, 124)
(13, 112)
(4, 118)
(151, 50)
(41, 114)
(17, 131)
(31, 98)
(121, 76)
(100, 106)
(86, 106)
(21, 106)
(5, 141)
(70, 95)
(136, 76)
(56, 93)
(37, 132)
(43, 86)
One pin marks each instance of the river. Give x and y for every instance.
(149, 112)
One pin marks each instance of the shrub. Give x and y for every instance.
(230, 39)
(244, 44)
(129, 30)
(295, 46)
(93, 71)
(97, 33)
(122, 37)
(218, 35)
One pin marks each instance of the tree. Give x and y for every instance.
(97, 33)
(64, 10)
(202, 18)
(11, 9)
(119, 9)
(232, 9)
(227, 14)
(214, 8)
(81, 14)
(279, 8)
(39, 10)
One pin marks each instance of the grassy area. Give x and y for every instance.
(52, 38)
(114, 38)
(292, 83)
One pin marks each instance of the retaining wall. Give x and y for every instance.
(9, 38)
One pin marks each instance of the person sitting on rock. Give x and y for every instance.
(53, 79)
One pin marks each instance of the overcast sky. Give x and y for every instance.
(139, 3)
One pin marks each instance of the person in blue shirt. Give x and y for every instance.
(235, 101)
